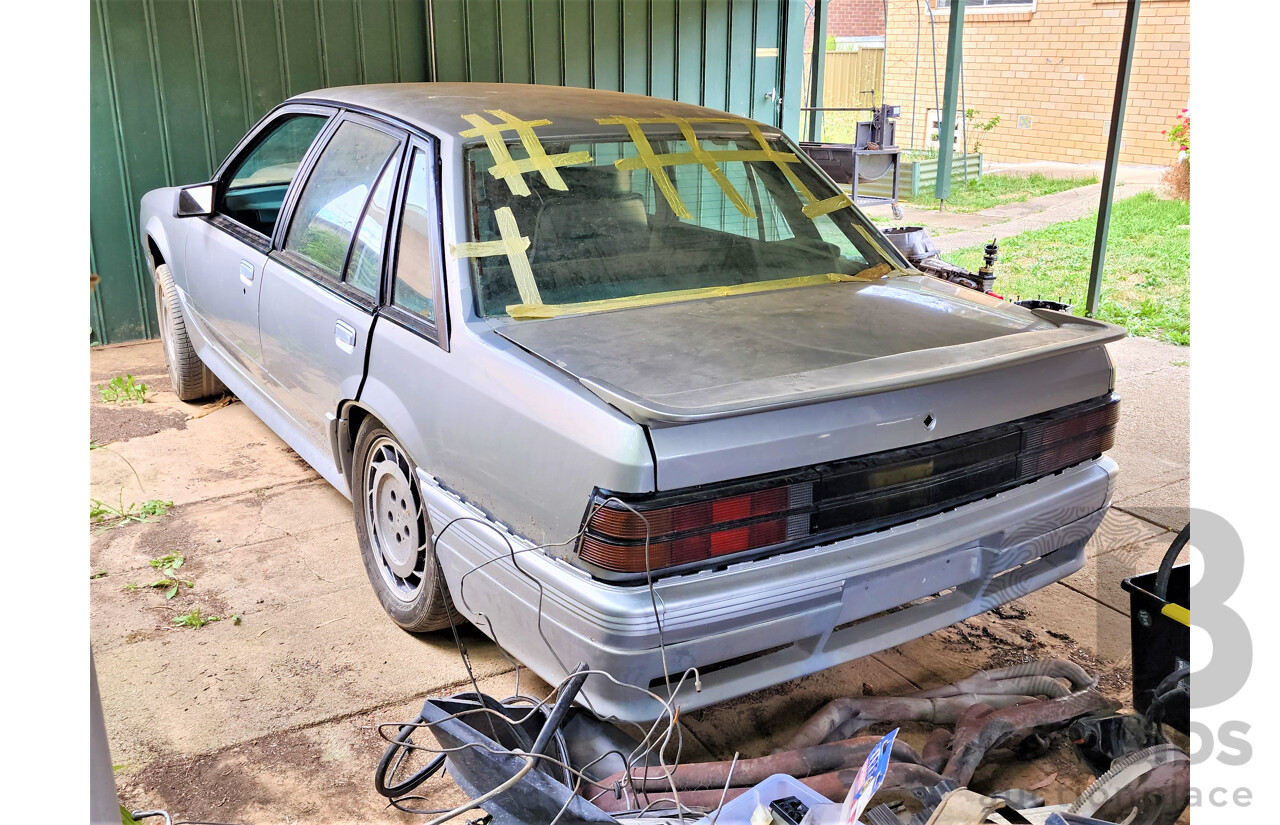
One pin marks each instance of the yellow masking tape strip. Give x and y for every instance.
(528, 312)
(1178, 613)
(831, 204)
(709, 163)
(513, 245)
(511, 171)
(650, 161)
(870, 239)
(873, 273)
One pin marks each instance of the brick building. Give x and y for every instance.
(850, 21)
(1048, 69)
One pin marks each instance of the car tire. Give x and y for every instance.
(191, 379)
(394, 531)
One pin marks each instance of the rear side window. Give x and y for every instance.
(335, 195)
(364, 270)
(257, 182)
(415, 260)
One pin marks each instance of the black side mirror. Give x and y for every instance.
(194, 201)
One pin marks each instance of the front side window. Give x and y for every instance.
(256, 184)
(416, 257)
(672, 219)
(334, 198)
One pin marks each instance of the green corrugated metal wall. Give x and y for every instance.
(175, 83)
(727, 54)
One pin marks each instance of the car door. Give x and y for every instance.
(226, 252)
(320, 290)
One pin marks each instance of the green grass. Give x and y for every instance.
(1146, 284)
(990, 191)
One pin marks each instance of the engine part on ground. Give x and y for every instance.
(1043, 303)
(983, 727)
(1149, 787)
(1101, 740)
(920, 251)
(990, 253)
(1160, 634)
(819, 759)
(1020, 798)
(1000, 688)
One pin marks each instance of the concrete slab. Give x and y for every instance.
(1101, 575)
(223, 453)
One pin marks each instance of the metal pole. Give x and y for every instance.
(1112, 165)
(947, 117)
(817, 67)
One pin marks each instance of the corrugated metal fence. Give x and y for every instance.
(849, 79)
(174, 84)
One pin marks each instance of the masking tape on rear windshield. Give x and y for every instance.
(513, 245)
(529, 312)
(512, 171)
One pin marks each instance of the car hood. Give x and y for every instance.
(719, 357)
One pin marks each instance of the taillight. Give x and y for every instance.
(831, 501)
(693, 531)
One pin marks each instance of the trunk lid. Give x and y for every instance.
(724, 357)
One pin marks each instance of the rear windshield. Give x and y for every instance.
(665, 211)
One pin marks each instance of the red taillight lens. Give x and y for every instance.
(695, 531)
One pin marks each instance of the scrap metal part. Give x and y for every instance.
(1149, 787)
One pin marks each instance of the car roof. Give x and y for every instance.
(439, 107)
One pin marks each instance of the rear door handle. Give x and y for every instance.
(345, 336)
(246, 273)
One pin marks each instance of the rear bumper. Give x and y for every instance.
(755, 624)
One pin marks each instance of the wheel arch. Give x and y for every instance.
(352, 414)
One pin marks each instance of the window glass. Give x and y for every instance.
(258, 181)
(415, 260)
(364, 270)
(335, 195)
(736, 215)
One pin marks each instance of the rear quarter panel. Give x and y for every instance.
(510, 435)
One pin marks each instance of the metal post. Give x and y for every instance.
(947, 124)
(1112, 165)
(817, 66)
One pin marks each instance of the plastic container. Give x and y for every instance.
(1160, 637)
(778, 786)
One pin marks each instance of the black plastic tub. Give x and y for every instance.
(1161, 637)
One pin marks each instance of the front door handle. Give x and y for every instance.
(345, 336)
(246, 273)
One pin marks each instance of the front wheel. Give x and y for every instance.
(395, 534)
(191, 379)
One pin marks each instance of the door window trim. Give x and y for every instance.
(301, 265)
(247, 144)
(437, 330)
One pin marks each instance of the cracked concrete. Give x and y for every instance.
(275, 719)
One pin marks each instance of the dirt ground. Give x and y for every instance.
(271, 714)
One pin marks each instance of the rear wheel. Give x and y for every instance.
(395, 534)
(191, 379)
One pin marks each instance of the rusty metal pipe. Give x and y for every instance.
(820, 759)
(982, 728)
(1008, 679)
(841, 718)
(834, 786)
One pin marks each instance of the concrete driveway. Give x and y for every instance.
(273, 718)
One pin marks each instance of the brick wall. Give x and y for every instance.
(851, 18)
(1054, 69)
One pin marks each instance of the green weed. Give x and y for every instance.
(123, 388)
(194, 618)
(168, 565)
(100, 512)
